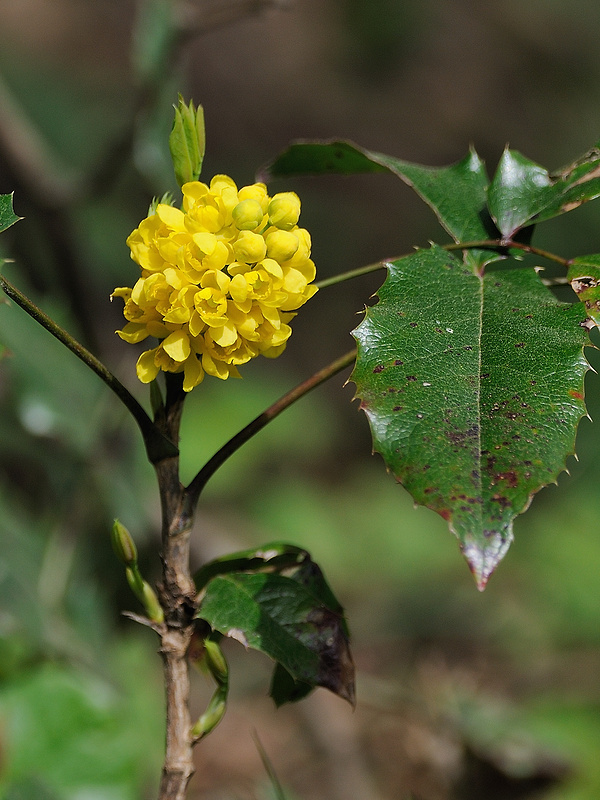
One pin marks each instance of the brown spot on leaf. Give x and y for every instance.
(379, 368)
(510, 477)
(575, 394)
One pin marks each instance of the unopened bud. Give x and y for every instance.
(123, 544)
(281, 245)
(284, 210)
(215, 661)
(247, 215)
(145, 594)
(249, 247)
(187, 142)
(213, 714)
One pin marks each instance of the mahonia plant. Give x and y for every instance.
(469, 369)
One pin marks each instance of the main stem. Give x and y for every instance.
(177, 594)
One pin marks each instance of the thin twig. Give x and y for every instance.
(199, 482)
(483, 244)
(157, 445)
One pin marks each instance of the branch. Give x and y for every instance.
(195, 488)
(489, 244)
(157, 445)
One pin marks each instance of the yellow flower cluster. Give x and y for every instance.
(220, 280)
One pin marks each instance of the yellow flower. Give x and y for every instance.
(221, 278)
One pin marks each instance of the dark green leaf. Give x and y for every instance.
(320, 158)
(283, 619)
(7, 215)
(522, 192)
(584, 275)
(517, 192)
(457, 194)
(284, 689)
(473, 386)
(272, 556)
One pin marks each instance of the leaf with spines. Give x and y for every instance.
(473, 387)
(520, 194)
(584, 275)
(7, 214)
(457, 194)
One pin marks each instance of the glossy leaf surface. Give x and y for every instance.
(584, 275)
(522, 192)
(7, 214)
(457, 194)
(473, 386)
(291, 616)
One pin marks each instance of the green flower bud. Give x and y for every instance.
(215, 661)
(284, 210)
(247, 215)
(123, 544)
(187, 142)
(151, 604)
(214, 713)
(145, 594)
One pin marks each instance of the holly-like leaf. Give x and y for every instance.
(7, 214)
(457, 194)
(517, 192)
(584, 275)
(293, 618)
(473, 386)
(522, 192)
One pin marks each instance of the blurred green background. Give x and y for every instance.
(461, 695)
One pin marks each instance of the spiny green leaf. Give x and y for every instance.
(282, 618)
(584, 275)
(517, 192)
(457, 194)
(522, 192)
(473, 386)
(7, 215)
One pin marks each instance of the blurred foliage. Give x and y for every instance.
(449, 680)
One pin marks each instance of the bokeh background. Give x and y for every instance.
(461, 695)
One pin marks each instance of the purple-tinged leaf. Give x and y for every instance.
(289, 613)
